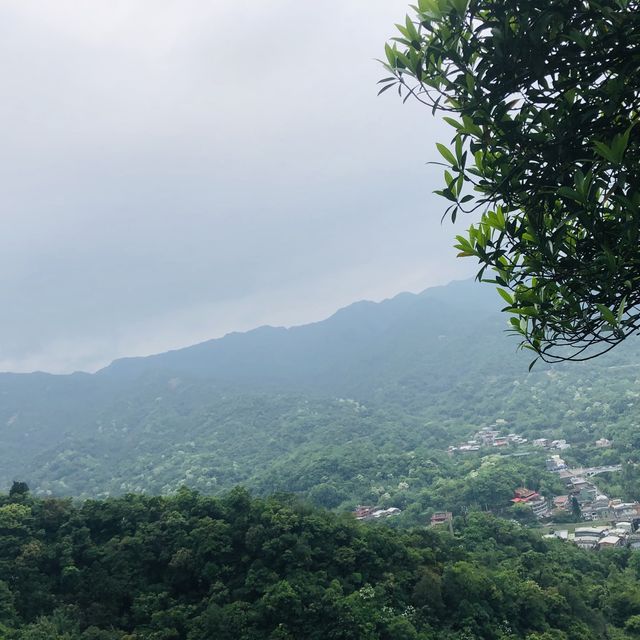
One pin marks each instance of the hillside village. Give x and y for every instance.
(582, 498)
(614, 522)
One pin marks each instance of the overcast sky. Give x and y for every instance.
(173, 170)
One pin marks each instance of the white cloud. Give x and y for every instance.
(169, 161)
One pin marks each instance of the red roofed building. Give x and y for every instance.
(525, 495)
(363, 512)
(441, 517)
(537, 503)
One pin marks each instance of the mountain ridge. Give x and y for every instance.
(374, 317)
(401, 352)
(414, 372)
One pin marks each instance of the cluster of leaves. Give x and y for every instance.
(189, 567)
(543, 96)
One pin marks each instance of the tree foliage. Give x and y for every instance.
(193, 567)
(543, 97)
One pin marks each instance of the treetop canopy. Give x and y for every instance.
(543, 97)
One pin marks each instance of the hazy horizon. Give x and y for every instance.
(285, 325)
(176, 171)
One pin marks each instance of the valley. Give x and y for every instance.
(363, 408)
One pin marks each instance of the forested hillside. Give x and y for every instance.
(190, 567)
(358, 408)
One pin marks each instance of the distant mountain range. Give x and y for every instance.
(350, 349)
(414, 357)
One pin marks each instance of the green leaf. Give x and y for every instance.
(385, 88)
(411, 30)
(607, 314)
(621, 308)
(572, 194)
(446, 154)
(391, 55)
(604, 150)
(460, 6)
(459, 149)
(452, 122)
(470, 82)
(448, 178)
(526, 311)
(506, 296)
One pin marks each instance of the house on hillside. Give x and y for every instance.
(597, 509)
(363, 512)
(566, 476)
(533, 499)
(624, 511)
(386, 513)
(589, 537)
(441, 517)
(555, 464)
(610, 541)
(373, 513)
(487, 436)
(523, 494)
(540, 507)
(562, 503)
(584, 491)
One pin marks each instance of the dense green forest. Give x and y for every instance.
(196, 567)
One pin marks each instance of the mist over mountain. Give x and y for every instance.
(393, 376)
(349, 350)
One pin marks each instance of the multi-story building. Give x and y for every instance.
(589, 537)
(539, 504)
